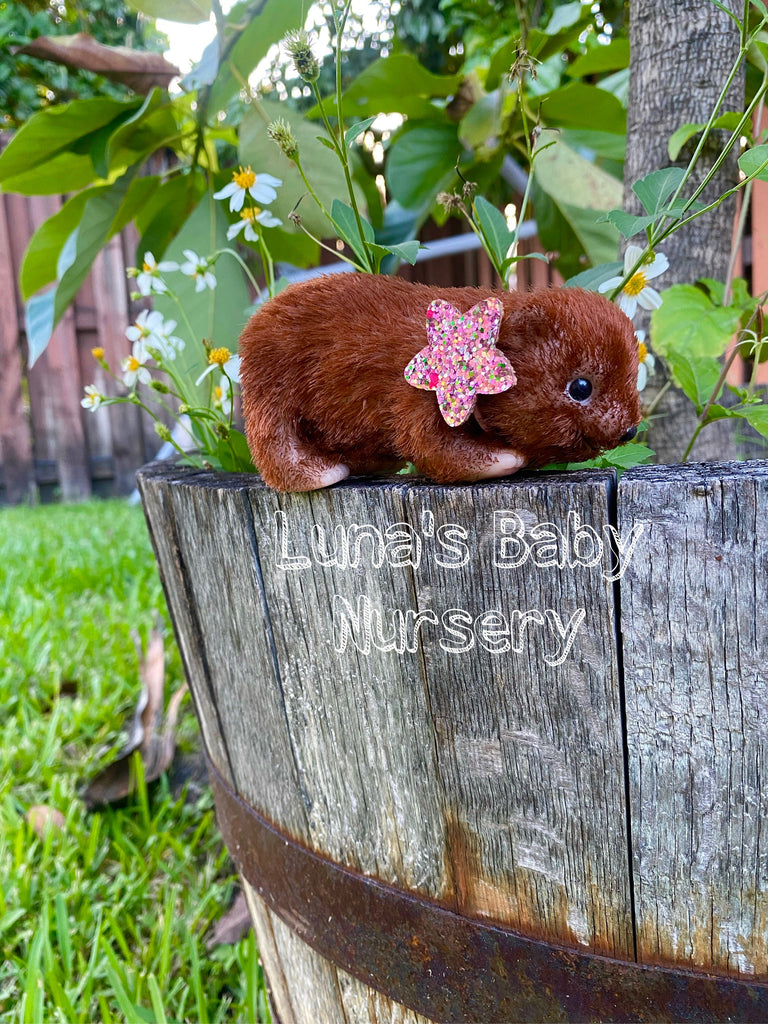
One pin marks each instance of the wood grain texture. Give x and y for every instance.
(695, 655)
(322, 659)
(529, 753)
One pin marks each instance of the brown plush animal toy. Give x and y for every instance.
(495, 380)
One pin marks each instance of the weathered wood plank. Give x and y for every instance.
(695, 655)
(155, 485)
(360, 725)
(248, 690)
(56, 390)
(528, 729)
(15, 434)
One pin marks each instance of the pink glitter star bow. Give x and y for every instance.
(461, 360)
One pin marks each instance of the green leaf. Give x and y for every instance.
(754, 162)
(233, 455)
(628, 455)
(757, 416)
(268, 26)
(719, 412)
(39, 314)
(151, 124)
(697, 376)
(165, 211)
(563, 16)
(38, 267)
(562, 174)
(27, 162)
(99, 220)
(190, 12)
(343, 217)
(624, 457)
(690, 322)
(494, 227)
(592, 279)
(578, 105)
(655, 188)
(325, 141)
(407, 251)
(219, 315)
(395, 83)
(600, 58)
(627, 224)
(357, 129)
(421, 162)
(686, 131)
(680, 136)
(603, 144)
(322, 167)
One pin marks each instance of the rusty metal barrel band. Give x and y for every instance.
(453, 968)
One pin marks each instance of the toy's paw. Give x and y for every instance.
(501, 464)
(331, 476)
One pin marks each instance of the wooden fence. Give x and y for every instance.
(51, 447)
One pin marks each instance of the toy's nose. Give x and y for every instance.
(629, 435)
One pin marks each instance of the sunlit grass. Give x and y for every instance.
(105, 919)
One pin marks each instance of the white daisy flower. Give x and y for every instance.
(247, 218)
(199, 269)
(260, 186)
(168, 343)
(146, 328)
(223, 358)
(134, 370)
(647, 361)
(93, 398)
(636, 291)
(148, 279)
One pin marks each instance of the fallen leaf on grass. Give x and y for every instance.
(139, 71)
(41, 818)
(155, 748)
(233, 925)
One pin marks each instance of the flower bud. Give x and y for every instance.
(163, 432)
(222, 430)
(157, 385)
(305, 62)
(280, 132)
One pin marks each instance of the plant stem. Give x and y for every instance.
(236, 255)
(328, 248)
(654, 404)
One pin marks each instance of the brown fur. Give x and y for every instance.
(324, 391)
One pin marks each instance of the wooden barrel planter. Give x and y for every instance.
(492, 752)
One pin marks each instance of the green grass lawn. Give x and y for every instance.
(106, 918)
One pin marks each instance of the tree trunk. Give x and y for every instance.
(682, 52)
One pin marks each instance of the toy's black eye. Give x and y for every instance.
(580, 389)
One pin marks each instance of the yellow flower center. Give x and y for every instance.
(642, 351)
(218, 394)
(250, 213)
(97, 353)
(635, 284)
(146, 267)
(219, 355)
(244, 178)
(133, 364)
